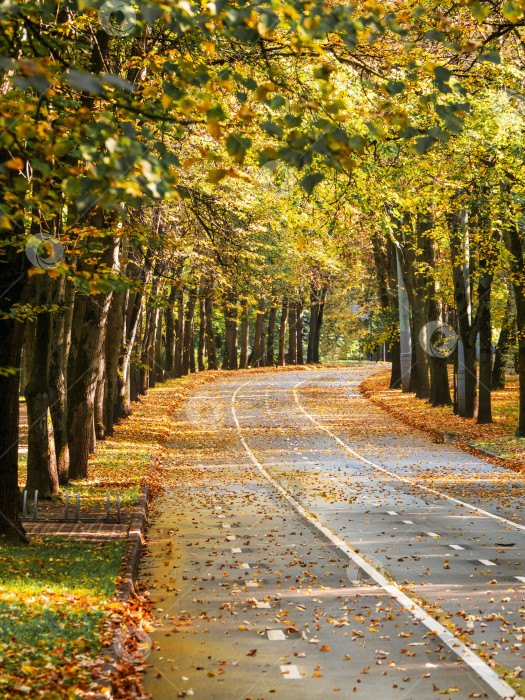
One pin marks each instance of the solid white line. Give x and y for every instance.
(456, 546)
(487, 562)
(510, 523)
(476, 664)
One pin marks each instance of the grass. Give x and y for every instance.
(54, 596)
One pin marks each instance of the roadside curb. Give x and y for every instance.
(134, 543)
(124, 589)
(440, 437)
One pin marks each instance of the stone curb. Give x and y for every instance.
(134, 543)
(125, 588)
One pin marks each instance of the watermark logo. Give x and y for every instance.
(276, 177)
(43, 251)
(132, 644)
(117, 18)
(438, 339)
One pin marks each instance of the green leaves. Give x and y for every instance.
(84, 82)
(237, 146)
(308, 182)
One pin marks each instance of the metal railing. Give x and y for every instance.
(76, 517)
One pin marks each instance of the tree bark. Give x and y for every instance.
(179, 336)
(245, 335)
(189, 331)
(113, 350)
(257, 356)
(282, 334)
(202, 330)
(230, 322)
(299, 327)
(63, 296)
(42, 474)
(210, 337)
(85, 372)
(506, 341)
(170, 333)
(271, 334)
(292, 334)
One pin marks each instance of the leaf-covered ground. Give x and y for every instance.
(57, 613)
(498, 437)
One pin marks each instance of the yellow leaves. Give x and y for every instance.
(218, 174)
(246, 114)
(325, 647)
(166, 101)
(214, 129)
(14, 164)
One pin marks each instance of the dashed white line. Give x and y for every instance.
(521, 578)
(230, 538)
(406, 479)
(244, 565)
(276, 635)
(262, 605)
(236, 550)
(226, 525)
(487, 562)
(433, 534)
(391, 512)
(408, 522)
(456, 546)
(291, 672)
(489, 676)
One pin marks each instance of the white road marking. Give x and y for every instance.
(456, 546)
(510, 523)
(226, 525)
(230, 538)
(291, 672)
(276, 635)
(252, 584)
(433, 534)
(521, 578)
(391, 512)
(408, 522)
(487, 562)
(244, 565)
(236, 550)
(463, 652)
(218, 507)
(262, 605)
(221, 516)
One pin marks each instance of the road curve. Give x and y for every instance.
(361, 559)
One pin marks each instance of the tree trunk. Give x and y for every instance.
(485, 351)
(270, 334)
(318, 325)
(159, 368)
(506, 341)
(113, 350)
(179, 336)
(299, 326)
(210, 337)
(63, 296)
(245, 335)
(202, 330)
(282, 333)
(395, 375)
(170, 333)
(257, 356)
(100, 428)
(314, 313)
(82, 388)
(188, 348)
(42, 474)
(292, 334)
(230, 323)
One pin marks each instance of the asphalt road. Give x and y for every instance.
(308, 545)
